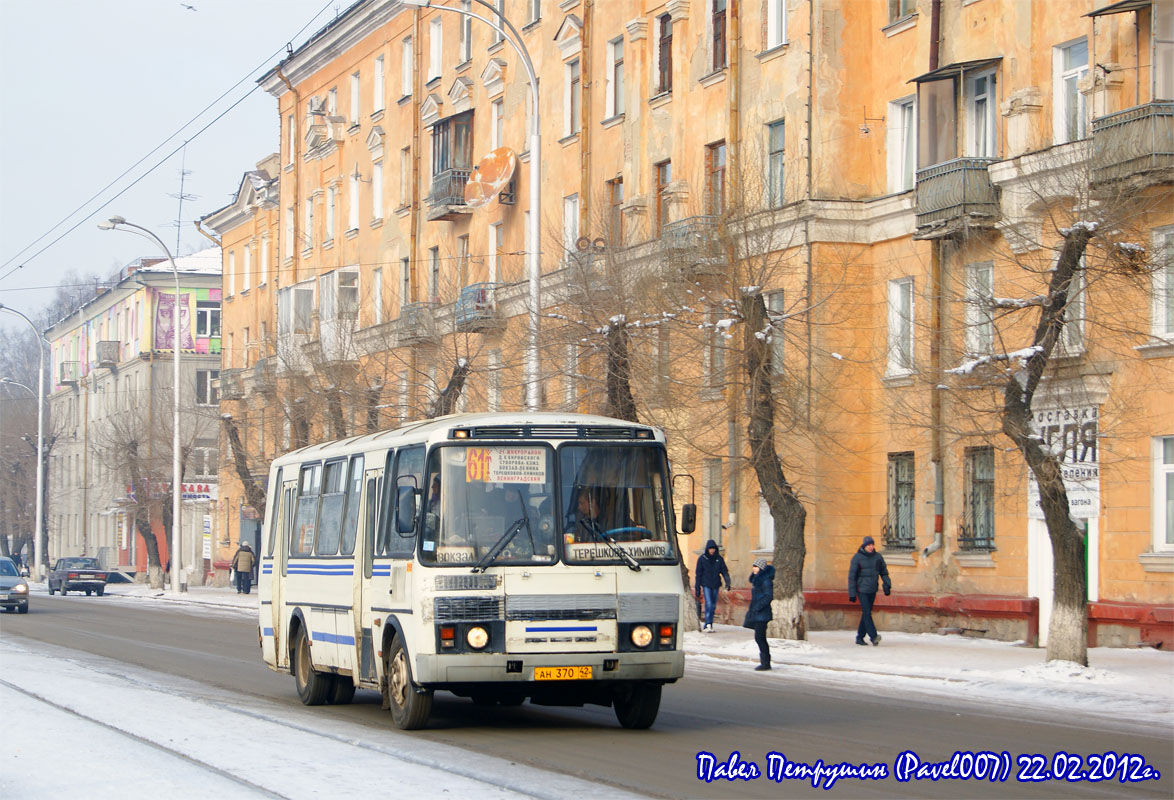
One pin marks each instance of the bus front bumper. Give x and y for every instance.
(464, 668)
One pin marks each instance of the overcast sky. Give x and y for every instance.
(88, 88)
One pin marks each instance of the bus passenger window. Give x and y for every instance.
(273, 507)
(309, 483)
(331, 508)
(350, 521)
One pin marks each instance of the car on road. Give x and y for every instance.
(77, 574)
(14, 590)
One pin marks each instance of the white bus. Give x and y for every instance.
(495, 556)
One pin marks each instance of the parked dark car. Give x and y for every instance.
(77, 575)
(14, 590)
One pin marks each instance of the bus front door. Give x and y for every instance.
(365, 595)
(281, 528)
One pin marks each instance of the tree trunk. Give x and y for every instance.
(1068, 630)
(254, 491)
(446, 401)
(142, 494)
(620, 403)
(787, 512)
(335, 412)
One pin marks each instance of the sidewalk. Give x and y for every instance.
(1131, 684)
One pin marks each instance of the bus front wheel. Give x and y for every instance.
(313, 687)
(637, 708)
(410, 705)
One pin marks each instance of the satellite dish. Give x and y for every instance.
(492, 174)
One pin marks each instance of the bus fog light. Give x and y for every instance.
(641, 636)
(477, 637)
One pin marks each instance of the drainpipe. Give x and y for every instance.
(935, 341)
(205, 234)
(586, 87)
(295, 250)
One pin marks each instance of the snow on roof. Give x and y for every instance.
(204, 262)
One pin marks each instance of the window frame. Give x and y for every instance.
(614, 96)
(979, 333)
(715, 178)
(1162, 306)
(663, 173)
(895, 537)
(407, 66)
(900, 328)
(435, 48)
(901, 144)
(776, 163)
(572, 99)
(664, 54)
(717, 40)
(356, 109)
(982, 128)
(570, 225)
(615, 216)
(776, 23)
(972, 505)
(1162, 494)
(378, 88)
(205, 387)
(208, 319)
(1061, 132)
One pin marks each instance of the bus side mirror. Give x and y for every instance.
(688, 518)
(405, 510)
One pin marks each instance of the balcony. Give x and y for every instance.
(108, 354)
(691, 246)
(446, 199)
(264, 375)
(417, 323)
(231, 384)
(1134, 144)
(476, 309)
(70, 373)
(955, 196)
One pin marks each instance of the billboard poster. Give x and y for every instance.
(1071, 434)
(165, 322)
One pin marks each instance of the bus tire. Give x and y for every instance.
(637, 709)
(313, 687)
(342, 690)
(410, 706)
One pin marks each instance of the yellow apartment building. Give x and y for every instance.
(896, 178)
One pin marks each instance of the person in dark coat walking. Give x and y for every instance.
(711, 569)
(867, 566)
(242, 563)
(762, 589)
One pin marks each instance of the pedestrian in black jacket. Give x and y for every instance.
(867, 565)
(762, 590)
(711, 569)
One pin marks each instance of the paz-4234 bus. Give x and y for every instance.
(500, 557)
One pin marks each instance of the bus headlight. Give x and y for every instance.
(641, 636)
(477, 637)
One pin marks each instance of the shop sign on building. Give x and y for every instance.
(1070, 433)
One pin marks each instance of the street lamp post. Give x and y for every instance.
(534, 273)
(38, 545)
(176, 487)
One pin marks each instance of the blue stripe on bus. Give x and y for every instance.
(561, 628)
(319, 636)
(311, 571)
(266, 631)
(320, 565)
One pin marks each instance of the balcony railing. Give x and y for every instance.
(70, 373)
(955, 194)
(1137, 140)
(231, 385)
(447, 195)
(264, 375)
(476, 308)
(691, 244)
(417, 322)
(108, 354)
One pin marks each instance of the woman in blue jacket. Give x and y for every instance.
(762, 589)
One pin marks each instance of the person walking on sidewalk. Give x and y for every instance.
(758, 615)
(867, 566)
(242, 563)
(711, 570)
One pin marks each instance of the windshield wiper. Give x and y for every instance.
(620, 553)
(506, 538)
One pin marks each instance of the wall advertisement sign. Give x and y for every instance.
(1071, 433)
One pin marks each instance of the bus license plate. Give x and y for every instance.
(563, 673)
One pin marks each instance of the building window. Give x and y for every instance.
(332, 102)
(496, 124)
(899, 531)
(1072, 334)
(718, 26)
(405, 282)
(572, 99)
(615, 212)
(356, 103)
(1164, 494)
(466, 44)
(230, 279)
(247, 267)
(775, 153)
(570, 223)
(378, 90)
(264, 261)
(614, 102)
(207, 319)
(776, 310)
(900, 314)
(405, 173)
(434, 274)
(776, 23)
(981, 105)
(716, 352)
(377, 190)
(452, 144)
(901, 144)
(435, 48)
(1069, 66)
(377, 295)
(308, 224)
(1163, 310)
(406, 67)
(899, 9)
(498, 33)
(978, 531)
(980, 327)
(713, 490)
(664, 176)
(289, 233)
(331, 198)
(664, 59)
(206, 392)
(291, 140)
(1162, 43)
(352, 223)
(715, 177)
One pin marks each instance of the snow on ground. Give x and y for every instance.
(78, 724)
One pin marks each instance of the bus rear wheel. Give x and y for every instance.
(637, 709)
(313, 687)
(410, 705)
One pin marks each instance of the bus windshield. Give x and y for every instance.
(614, 498)
(488, 498)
